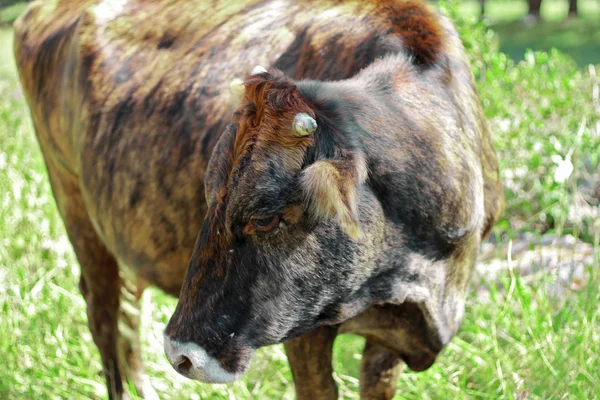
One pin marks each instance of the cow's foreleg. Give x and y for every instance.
(310, 362)
(379, 372)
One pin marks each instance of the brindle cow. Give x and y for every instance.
(349, 194)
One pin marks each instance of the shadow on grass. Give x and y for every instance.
(580, 38)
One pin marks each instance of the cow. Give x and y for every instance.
(343, 185)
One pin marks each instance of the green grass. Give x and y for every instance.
(519, 341)
(580, 38)
(10, 13)
(498, 11)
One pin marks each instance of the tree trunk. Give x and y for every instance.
(573, 11)
(534, 8)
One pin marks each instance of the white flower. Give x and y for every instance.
(563, 171)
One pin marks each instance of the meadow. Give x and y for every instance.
(519, 339)
(577, 37)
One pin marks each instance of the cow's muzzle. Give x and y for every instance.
(193, 362)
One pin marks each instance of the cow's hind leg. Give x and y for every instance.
(100, 283)
(379, 372)
(129, 350)
(310, 361)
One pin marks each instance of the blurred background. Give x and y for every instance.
(532, 324)
(571, 26)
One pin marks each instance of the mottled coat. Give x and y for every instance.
(369, 224)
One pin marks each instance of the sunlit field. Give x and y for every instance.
(530, 330)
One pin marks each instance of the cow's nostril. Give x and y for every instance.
(192, 361)
(184, 366)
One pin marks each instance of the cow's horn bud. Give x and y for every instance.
(304, 124)
(258, 70)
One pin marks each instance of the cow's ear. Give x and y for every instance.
(219, 166)
(330, 186)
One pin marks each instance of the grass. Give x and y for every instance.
(580, 38)
(10, 13)
(521, 340)
(502, 11)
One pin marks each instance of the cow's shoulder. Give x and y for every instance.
(335, 40)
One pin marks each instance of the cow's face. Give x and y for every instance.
(290, 238)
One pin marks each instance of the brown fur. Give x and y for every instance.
(421, 33)
(266, 116)
(380, 370)
(310, 361)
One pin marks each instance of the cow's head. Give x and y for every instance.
(291, 236)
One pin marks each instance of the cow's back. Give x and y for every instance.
(130, 97)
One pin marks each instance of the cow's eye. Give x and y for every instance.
(264, 224)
